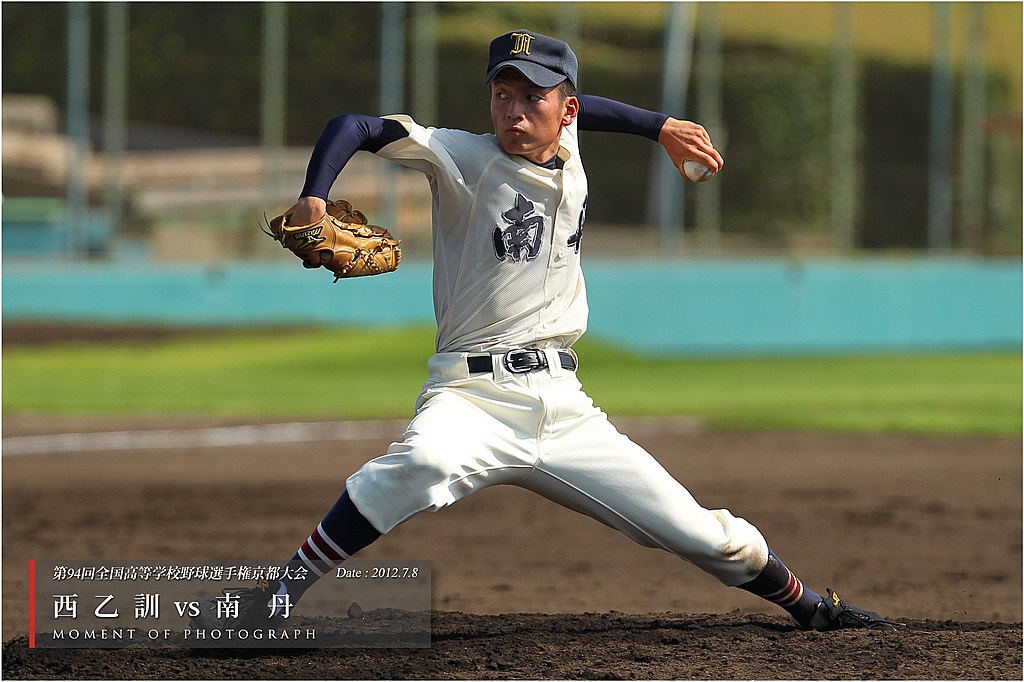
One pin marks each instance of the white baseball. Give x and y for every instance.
(696, 171)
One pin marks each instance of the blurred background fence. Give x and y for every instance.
(161, 132)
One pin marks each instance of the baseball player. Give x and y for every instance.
(503, 404)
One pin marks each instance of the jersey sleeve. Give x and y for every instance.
(342, 137)
(442, 154)
(608, 115)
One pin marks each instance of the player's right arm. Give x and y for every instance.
(682, 140)
(342, 137)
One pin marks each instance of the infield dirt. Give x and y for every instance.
(924, 530)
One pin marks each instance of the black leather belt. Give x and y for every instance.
(520, 361)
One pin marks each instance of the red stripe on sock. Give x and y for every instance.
(785, 596)
(310, 558)
(794, 591)
(324, 547)
(798, 593)
(780, 594)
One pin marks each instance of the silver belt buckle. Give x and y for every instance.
(523, 360)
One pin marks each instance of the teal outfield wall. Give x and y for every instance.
(688, 307)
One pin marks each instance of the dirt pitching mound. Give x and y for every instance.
(924, 530)
(587, 646)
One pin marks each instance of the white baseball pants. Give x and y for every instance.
(541, 432)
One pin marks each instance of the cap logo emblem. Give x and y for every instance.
(521, 43)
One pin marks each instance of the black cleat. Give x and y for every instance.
(832, 613)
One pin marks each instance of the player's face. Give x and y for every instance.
(527, 118)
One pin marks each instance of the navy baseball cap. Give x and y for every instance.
(546, 61)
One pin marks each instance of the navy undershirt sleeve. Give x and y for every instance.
(608, 115)
(342, 137)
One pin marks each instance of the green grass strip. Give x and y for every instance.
(965, 393)
(366, 374)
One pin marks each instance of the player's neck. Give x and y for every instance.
(554, 163)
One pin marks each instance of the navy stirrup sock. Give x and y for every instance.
(342, 533)
(779, 585)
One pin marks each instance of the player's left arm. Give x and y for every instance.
(341, 138)
(682, 140)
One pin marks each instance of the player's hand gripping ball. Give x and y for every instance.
(342, 241)
(696, 171)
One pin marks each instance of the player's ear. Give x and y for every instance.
(572, 108)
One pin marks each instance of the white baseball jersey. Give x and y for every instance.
(506, 240)
(507, 275)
